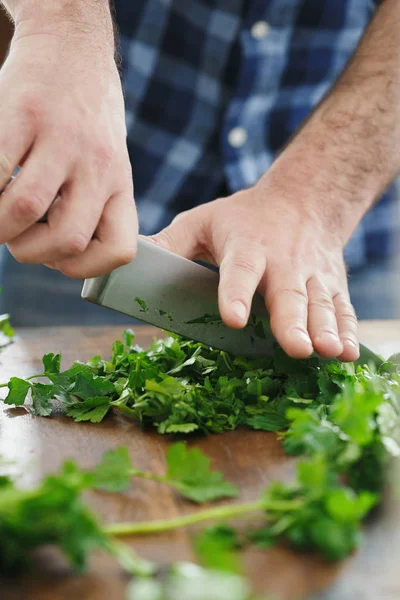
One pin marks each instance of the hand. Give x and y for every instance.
(266, 239)
(62, 120)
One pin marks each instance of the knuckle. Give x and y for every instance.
(28, 207)
(323, 301)
(76, 243)
(126, 255)
(296, 293)
(348, 336)
(345, 310)
(18, 253)
(71, 270)
(163, 239)
(326, 330)
(103, 153)
(245, 265)
(180, 216)
(286, 324)
(349, 316)
(31, 107)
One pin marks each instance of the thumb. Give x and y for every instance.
(184, 235)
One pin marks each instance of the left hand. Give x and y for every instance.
(276, 239)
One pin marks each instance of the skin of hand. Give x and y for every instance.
(62, 120)
(285, 236)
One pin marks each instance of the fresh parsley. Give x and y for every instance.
(341, 420)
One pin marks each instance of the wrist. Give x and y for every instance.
(308, 178)
(85, 20)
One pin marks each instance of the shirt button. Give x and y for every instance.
(237, 137)
(260, 30)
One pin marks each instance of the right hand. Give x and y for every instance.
(62, 120)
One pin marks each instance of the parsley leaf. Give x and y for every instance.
(115, 471)
(42, 395)
(6, 329)
(92, 409)
(267, 421)
(217, 548)
(18, 390)
(87, 385)
(51, 363)
(142, 304)
(189, 472)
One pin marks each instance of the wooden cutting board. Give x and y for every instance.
(249, 459)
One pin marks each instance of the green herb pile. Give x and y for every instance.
(180, 386)
(342, 420)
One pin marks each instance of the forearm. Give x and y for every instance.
(349, 148)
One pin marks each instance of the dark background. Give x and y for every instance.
(6, 29)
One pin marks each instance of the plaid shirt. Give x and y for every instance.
(214, 89)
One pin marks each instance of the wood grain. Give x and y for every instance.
(248, 458)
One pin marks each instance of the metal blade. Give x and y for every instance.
(176, 292)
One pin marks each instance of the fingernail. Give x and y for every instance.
(301, 335)
(239, 309)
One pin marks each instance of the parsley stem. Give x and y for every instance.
(2, 385)
(124, 409)
(130, 561)
(219, 512)
(151, 476)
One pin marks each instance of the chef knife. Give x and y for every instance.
(178, 295)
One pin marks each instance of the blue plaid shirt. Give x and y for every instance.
(214, 89)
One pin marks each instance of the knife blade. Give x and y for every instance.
(178, 295)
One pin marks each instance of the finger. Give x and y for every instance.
(241, 269)
(115, 243)
(185, 236)
(287, 302)
(322, 324)
(29, 196)
(16, 138)
(348, 327)
(71, 222)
